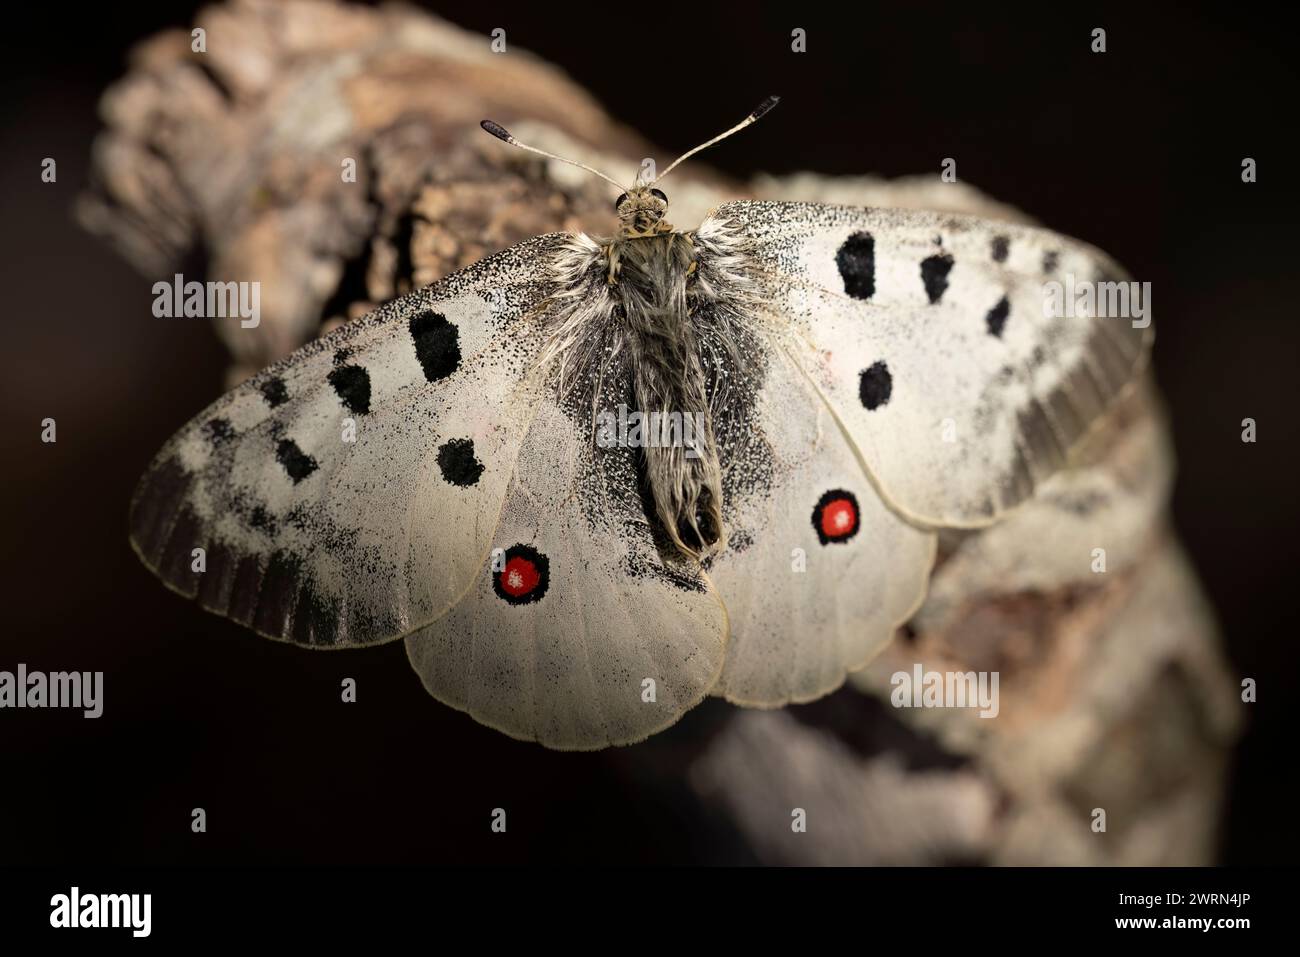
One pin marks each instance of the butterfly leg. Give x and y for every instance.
(611, 256)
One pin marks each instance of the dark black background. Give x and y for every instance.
(1137, 150)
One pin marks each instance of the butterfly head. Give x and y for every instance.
(641, 212)
(641, 209)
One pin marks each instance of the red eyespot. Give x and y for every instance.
(520, 577)
(525, 576)
(836, 517)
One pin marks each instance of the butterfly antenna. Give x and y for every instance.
(753, 117)
(501, 133)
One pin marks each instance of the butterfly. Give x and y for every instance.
(856, 380)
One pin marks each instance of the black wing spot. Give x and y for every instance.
(437, 344)
(352, 383)
(295, 461)
(274, 392)
(1001, 246)
(875, 386)
(997, 317)
(1050, 260)
(856, 260)
(458, 464)
(218, 430)
(934, 273)
(262, 520)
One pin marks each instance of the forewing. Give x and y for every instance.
(348, 494)
(926, 334)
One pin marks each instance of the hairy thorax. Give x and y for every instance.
(652, 282)
(675, 312)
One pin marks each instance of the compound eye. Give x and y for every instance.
(618, 203)
(660, 193)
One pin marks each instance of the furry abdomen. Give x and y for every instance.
(682, 476)
(663, 323)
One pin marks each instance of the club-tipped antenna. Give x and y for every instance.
(753, 117)
(501, 133)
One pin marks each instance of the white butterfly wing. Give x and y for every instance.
(926, 334)
(580, 637)
(912, 354)
(819, 573)
(349, 493)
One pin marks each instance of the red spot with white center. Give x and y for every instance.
(519, 577)
(839, 519)
(524, 577)
(836, 517)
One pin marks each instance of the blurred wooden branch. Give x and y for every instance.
(1115, 694)
(238, 153)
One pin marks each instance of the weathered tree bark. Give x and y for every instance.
(1114, 694)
